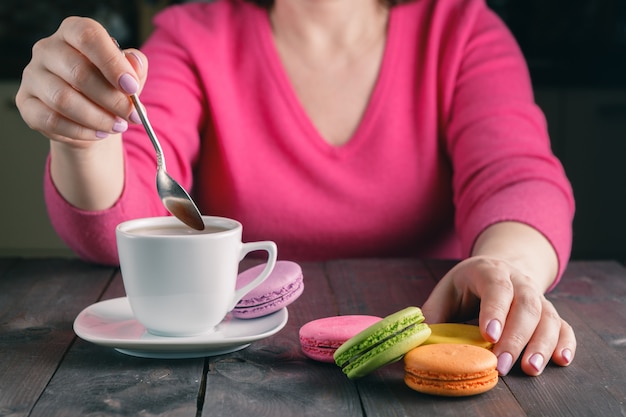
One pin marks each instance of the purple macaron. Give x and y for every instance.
(284, 285)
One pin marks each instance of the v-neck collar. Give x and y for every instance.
(286, 89)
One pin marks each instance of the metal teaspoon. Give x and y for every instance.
(173, 196)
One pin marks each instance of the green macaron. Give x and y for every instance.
(382, 343)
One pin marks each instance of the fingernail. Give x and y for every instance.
(134, 117)
(505, 363)
(537, 362)
(101, 135)
(138, 58)
(494, 330)
(129, 84)
(567, 355)
(120, 125)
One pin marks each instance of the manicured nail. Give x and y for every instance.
(120, 125)
(137, 57)
(494, 330)
(505, 363)
(129, 84)
(101, 135)
(536, 362)
(567, 355)
(134, 117)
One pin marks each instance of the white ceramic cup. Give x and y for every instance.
(182, 282)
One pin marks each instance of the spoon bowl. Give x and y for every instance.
(173, 196)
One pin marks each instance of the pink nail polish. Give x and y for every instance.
(120, 125)
(134, 117)
(101, 135)
(567, 355)
(505, 363)
(494, 330)
(129, 84)
(536, 361)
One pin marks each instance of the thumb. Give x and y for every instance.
(441, 305)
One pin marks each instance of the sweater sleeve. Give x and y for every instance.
(91, 234)
(496, 136)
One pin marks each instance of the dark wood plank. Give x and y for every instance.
(592, 298)
(439, 267)
(273, 378)
(94, 380)
(382, 287)
(97, 380)
(379, 286)
(593, 385)
(39, 299)
(597, 291)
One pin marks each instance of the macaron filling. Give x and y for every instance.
(272, 297)
(371, 344)
(382, 343)
(282, 287)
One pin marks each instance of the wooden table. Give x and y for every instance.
(46, 370)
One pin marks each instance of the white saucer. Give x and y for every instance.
(111, 323)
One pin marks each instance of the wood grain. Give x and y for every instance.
(38, 303)
(99, 381)
(46, 371)
(593, 301)
(96, 381)
(273, 378)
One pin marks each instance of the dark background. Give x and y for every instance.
(565, 41)
(576, 52)
(570, 42)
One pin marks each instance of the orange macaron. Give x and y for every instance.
(453, 370)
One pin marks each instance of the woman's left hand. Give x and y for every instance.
(512, 313)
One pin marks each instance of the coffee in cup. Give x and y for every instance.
(180, 281)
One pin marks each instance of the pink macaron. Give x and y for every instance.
(284, 285)
(319, 339)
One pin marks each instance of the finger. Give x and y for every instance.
(456, 296)
(523, 318)
(77, 74)
(543, 341)
(93, 41)
(56, 127)
(64, 103)
(566, 347)
(140, 64)
(496, 292)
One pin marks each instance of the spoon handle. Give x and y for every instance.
(146, 124)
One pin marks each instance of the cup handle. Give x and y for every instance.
(270, 248)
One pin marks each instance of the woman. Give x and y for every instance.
(336, 128)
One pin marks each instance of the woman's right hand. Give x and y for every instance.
(75, 88)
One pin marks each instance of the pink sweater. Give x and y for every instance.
(450, 143)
